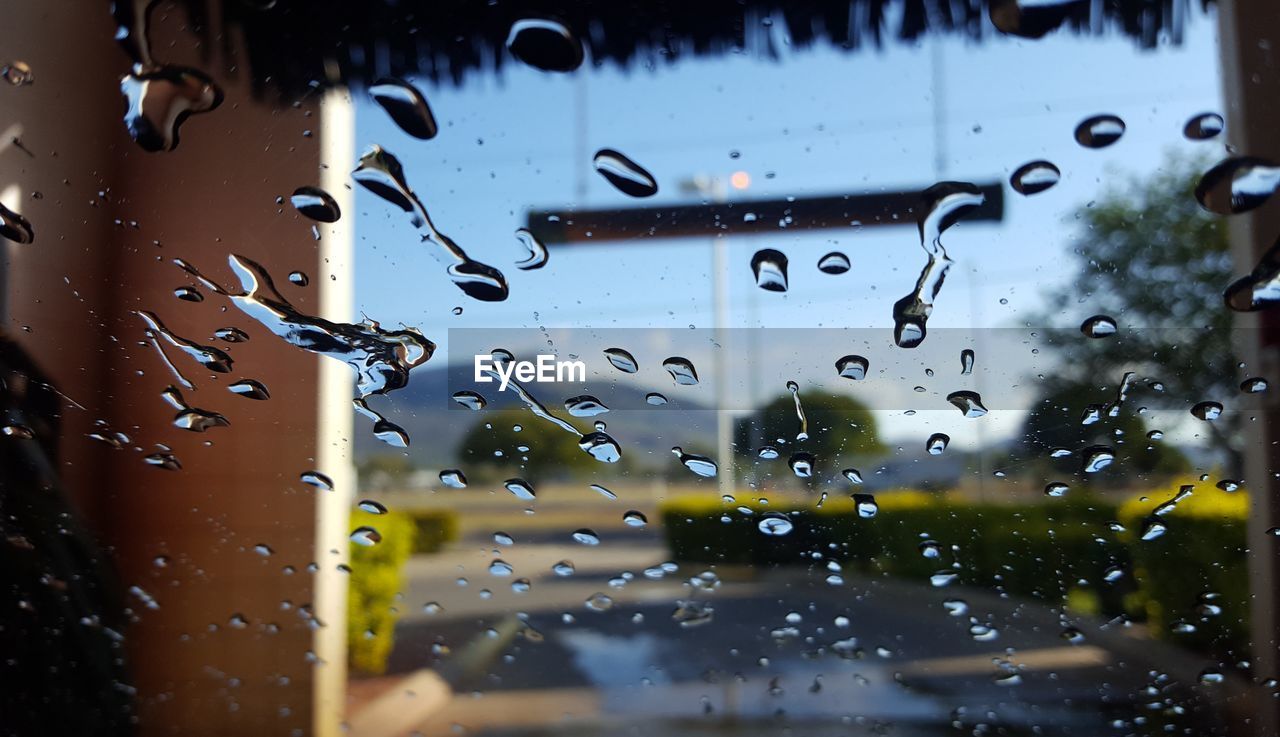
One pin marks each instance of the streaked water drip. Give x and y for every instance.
(383, 429)
(942, 206)
(803, 432)
(535, 251)
(770, 269)
(191, 418)
(1237, 184)
(315, 203)
(700, 465)
(681, 370)
(603, 492)
(969, 403)
(1099, 131)
(622, 360)
(453, 478)
(158, 100)
(381, 173)
(15, 227)
(1034, 177)
(249, 389)
(536, 407)
(1260, 289)
(966, 362)
(406, 107)
(1204, 126)
(469, 399)
(545, 44)
(852, 367)
(625, 175)
(834, 263)
(231, 335)
(207, 356)
(1184, 492)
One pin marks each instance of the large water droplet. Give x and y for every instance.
(770, 268)
(499, 567)
(249, 389)
(1152, 528)
(586, 537)
(600, 446)
(159, 99)
(767, 452)
(937, 443)
(681, 370)
(775, 524)
(866, 505)
(535, 252)
(1254, 385)
(316, 204)
(1237, 184)
(624, 174)
(621, 360)
(1204, 126)
(15, 227)
(853, 475)
(521, 489)
(453, 478)
(545, 44)
(1207, 411)
(969, 403)
(801, 464)
(1099, 326)
(852, 367)
(365, 536)
(231, 335)
(469, 399)
(599, 603)
(317, 479)
(1099, 131)
(372, 507)
(634, 518)
(1056, 489)
(1097, 457)
(701, 465)
(834, 263)
(406, 106)
(584, 406)
(655, 398)
(188, 294)
(943, 578)
(1034, 177)
(564, 569)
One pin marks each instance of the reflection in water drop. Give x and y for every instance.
(700, 465)
(1034, 177)
(1097, 457)
(767, 452)
(852, 367)
(1204, 126)
(381, 173)
(231, 335)
(406, 106)
(770, 269)
(969, 403)
(775, 524)
(372, 507)
(1237, 184)
(316, 204)
(801, 464)
(966, 362)
(626, 175)
(383, 429)
(317, 479)
(1207, 411)
(803, 432)
(564, 569)
(521, 488)
(249, 389)
(937, 443)
(1099, 131)
(1254, 385)
(545, 44)
(365, 536)
(535, 251)
(834, 263)
(866, 505)
(1098, 326)
(15, 227)
(584, 406)
(600, 446)
(1152, 528)
(1056, 489)
(621, 360)
(943, 204)
(681, 370)
(499, 567)
(598, 603)
(453, 478)
(633, 518)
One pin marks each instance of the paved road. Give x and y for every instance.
(780, 648)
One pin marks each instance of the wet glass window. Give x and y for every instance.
(754, 368)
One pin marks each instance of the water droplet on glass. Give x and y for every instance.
(535, 252)
(317, 479)
(774, 524)
(164, 459)
(586, 537)
(621, 360)
(942, 579)
(1254, 385)
(930, 549)
(22, 432)
(1237, 185)
(655, 398)
(956, 607)
(231, 335)
(500, 567)
(1097, 457)
(15, 227)
(599, 603)
(17, 73)
(453, 478)
(692, 613)
(603, 492)
(1207, 411)
(1152, 528)
(188, 294)
(801, 464)
(770, 267)
(299, 278)
(852, 367)
(1229, 485)
(866, 505)
(264, 550)
(937, 443)
(767, 452)
(1211, 677)
(372, 507)
(584, 406)
(834, 263)
(1098, 326)
(803, 432)
(545, 44)
(626, 175)
(563, 569)
(1099, 131)
(701, 465)
(969, 403)
(681, 370)
(1034, 177)
(520, 488)
(365, 536)
(158, 99)
(316, 204)
(1056, 489)
(406, 106)
(1261, 288)
(853, 475)
(469, 399)
(966, 362)
(249, 389)
(601, 447)
(942, 206)
(1204, 126)
(632, 518)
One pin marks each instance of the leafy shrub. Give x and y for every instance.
(376, 578)
(432, 528)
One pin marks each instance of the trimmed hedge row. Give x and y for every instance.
(1057, 551)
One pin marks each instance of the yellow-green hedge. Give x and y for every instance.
(376, 578)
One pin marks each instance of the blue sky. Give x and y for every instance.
(820, 121)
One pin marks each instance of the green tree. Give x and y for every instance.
(840, 427)
(536, 449)
(1150, 258)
